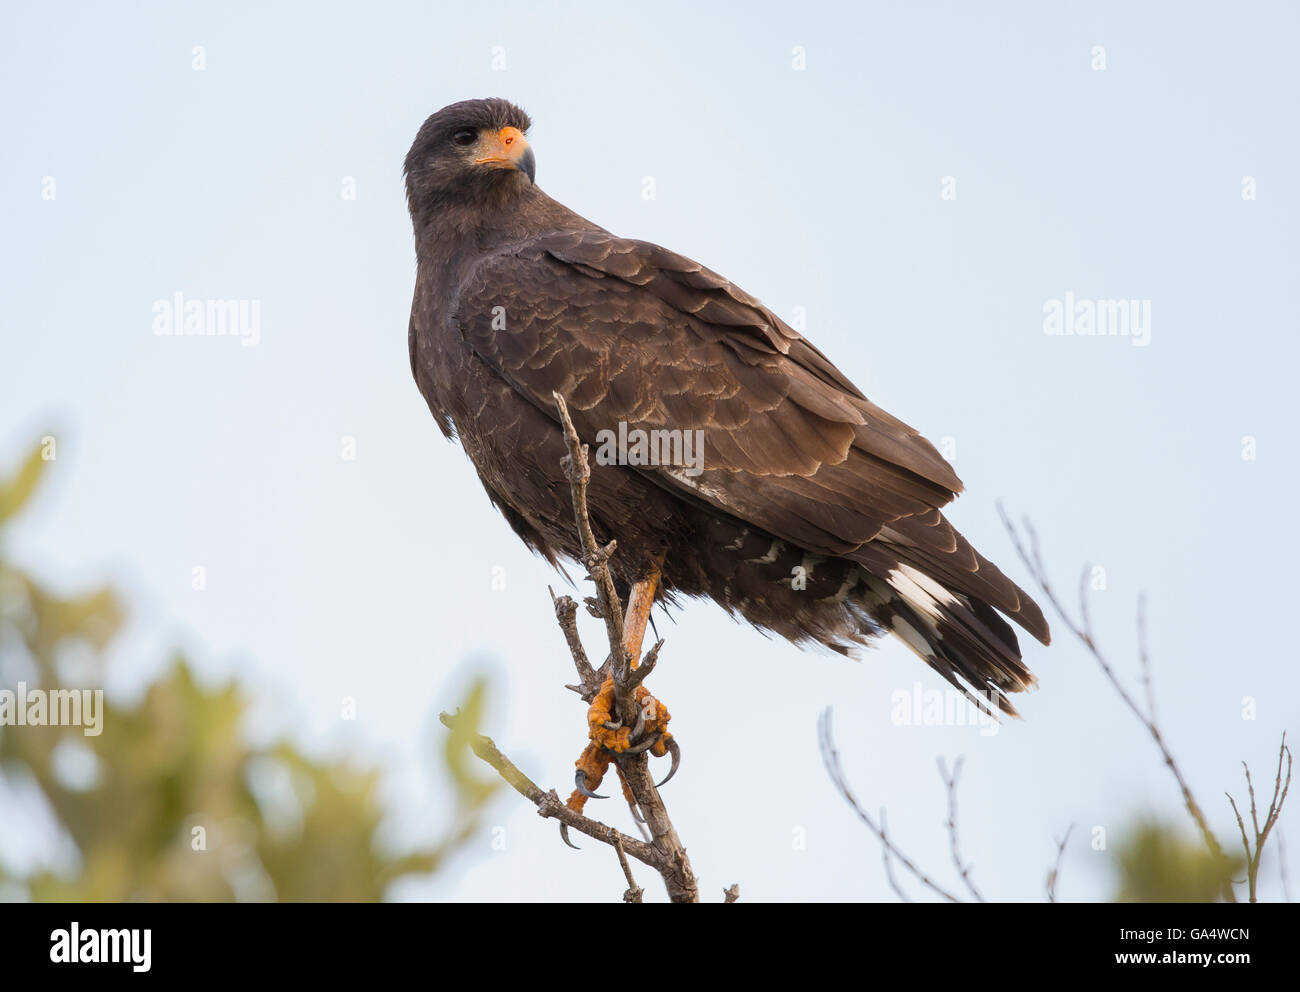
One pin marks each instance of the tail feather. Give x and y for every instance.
(941, 552)
(942, 599)
(964, 639)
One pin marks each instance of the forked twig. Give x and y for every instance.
(1280, 789)
(831, 758)
(963, 868)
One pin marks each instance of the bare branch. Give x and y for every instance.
(595, 558)
(1254, 852)
(1281, 867)
(662, 850)
(888, 862)
(1144, 657)
(1054, 876)
(1082, 630)
(831, 758)
(638, 674)
(548, 803)
(634, 892)
(1245, 840)
(635, 769)
(566, 613)
(950, 781)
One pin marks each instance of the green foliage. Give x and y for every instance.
(16, 491)
(1161, 863)
(457, 752)
(180, 806)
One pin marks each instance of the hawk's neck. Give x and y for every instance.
(459, 234)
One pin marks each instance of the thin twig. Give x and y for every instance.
(634, 892)
(1281, 866)
(548, 803)
(831, 758)
(566, 611)
(595, 557)
(950, 781)
(638, 674)
(1144, 657)
(1083, 631)
(1254, 853)
(1054, 876)
(888, 862)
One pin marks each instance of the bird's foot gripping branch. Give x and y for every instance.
(649, 733)
(611, 738)
(625, 722)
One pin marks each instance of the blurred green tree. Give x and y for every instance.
(169, 802)
(1158, 862)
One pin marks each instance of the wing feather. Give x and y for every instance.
(631, 332)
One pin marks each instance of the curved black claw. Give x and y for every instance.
(676, 752)
(645, 745)
(564, 836)
(636, 813)
(644, 831)
(639, 727)
(580, 780)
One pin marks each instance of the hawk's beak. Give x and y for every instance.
(507, 149)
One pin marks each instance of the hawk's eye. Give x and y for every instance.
(465, 136)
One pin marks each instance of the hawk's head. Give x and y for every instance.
(469, 151)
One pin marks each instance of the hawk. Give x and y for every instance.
(729, 448)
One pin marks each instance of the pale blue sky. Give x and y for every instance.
(818, 189)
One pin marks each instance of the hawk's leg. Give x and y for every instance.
(640, 599)
(609, 736)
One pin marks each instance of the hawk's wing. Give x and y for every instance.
(629, 332)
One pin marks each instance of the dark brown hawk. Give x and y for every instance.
(806, 509)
